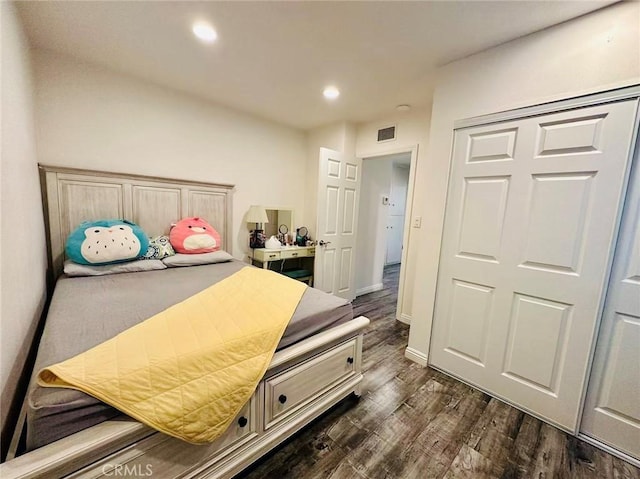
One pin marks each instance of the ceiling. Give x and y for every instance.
(273, 59)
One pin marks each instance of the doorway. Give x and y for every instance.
(383, 223)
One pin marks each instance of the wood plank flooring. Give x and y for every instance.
(414, 422)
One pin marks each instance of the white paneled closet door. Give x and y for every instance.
(532, 210)
(612, 408)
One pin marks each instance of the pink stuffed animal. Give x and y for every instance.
(194, 235)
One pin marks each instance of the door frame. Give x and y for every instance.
(412, 149)
(569, 103)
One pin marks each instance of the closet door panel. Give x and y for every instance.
(531, 214)
(612, 408)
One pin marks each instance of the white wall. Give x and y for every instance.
(22, 242)
(412, 128)
(396, 210)
(588, 54)
(399, 184)
(372, 220)
(90, 117)
(412, 131)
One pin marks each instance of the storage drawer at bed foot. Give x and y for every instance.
(163, 456)
(292, 389)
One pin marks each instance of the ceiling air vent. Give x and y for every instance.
(387, 133)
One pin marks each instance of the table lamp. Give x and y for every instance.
(257, 215)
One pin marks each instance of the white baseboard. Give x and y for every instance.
(369, 289)
(416, 356)
(403, 318)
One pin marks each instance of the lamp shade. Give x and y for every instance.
(257, 214)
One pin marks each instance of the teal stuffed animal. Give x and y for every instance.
(106, 242)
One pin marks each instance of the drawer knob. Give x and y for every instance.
(282, 399)
(242, 422)
(350, 360)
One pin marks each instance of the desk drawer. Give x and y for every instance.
(267, 255)
(297, 253)
(292, 389)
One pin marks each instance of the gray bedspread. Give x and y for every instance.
(89, 310)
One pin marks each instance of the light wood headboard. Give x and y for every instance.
(72, 196)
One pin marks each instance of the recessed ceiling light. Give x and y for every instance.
(204, 32)
(331, 93)
(403, 107)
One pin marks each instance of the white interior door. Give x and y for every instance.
(612, 408)
(531, 214)
(338, 196)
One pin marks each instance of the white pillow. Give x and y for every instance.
(181, 259)
(75, 269)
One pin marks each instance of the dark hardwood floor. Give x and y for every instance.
(414, 422)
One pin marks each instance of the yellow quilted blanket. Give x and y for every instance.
(188, 370)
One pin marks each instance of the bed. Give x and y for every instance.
(71, 434)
